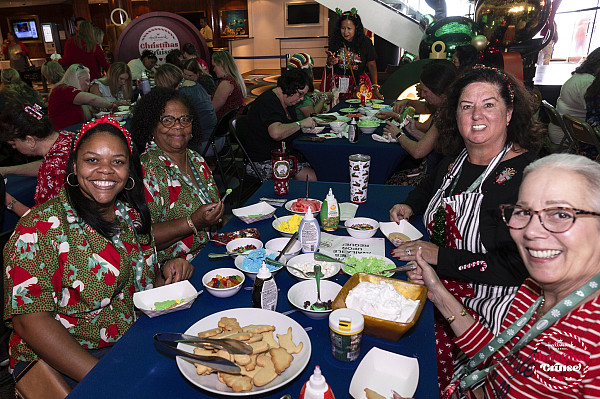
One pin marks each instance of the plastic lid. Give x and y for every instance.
(317, 382)
(263, 272)
(330, 197)
(346, 321)
(309, 215)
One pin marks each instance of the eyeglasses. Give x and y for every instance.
(169, 121)
(555, 220)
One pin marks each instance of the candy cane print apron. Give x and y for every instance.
(490, 302)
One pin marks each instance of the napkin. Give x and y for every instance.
(386, 138)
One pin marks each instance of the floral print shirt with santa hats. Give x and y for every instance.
(58, 264)
(171, 195)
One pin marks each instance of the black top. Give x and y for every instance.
(263, 112)
(358, 57)
(504, 264)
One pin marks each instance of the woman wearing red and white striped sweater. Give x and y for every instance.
(549, 345)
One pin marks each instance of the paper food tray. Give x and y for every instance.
(263, 209)
(145, 300)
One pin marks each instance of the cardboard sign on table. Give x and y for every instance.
(341, 247)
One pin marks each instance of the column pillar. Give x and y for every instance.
(81, 8)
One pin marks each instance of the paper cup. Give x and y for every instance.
(345, 332)
(359, 177)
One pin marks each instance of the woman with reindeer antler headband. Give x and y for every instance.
(350, 55)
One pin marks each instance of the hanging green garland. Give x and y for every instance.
(439, 227)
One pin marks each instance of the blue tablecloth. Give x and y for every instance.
(330, 157)
(135, 369)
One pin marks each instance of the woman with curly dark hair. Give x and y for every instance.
(487, 128)
(182, 195)
(96, 250)
(350, 54)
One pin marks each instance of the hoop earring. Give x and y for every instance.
(132, 184)
(69, 183)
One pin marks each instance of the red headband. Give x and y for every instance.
(95, 122)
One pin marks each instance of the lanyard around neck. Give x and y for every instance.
(492, 165)
(196, 188)
(470, 377)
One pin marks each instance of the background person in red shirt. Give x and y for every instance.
(83, 49)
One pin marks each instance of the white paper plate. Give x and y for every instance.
(390, 264)
(404, 227)
(288, 207)
(246, 316)
(382, 372)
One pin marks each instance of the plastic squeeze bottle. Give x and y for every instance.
(330, 212)
(316, 387)
(264, 290)
(353, 132)
(309, 232)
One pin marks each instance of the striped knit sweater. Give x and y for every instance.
(561, 362)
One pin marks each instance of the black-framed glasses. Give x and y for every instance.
(556, 219)
(169, 120)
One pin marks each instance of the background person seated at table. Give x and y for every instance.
(182, 195)
(53, 72)
(488, 121)
(464, 57)
(69, 102)
(272, 120)
(560, 248)
(83, 49)
(13, 86)
(435, 79)
(312, 103)
(27, 130)
(145, 63)
(175, 57)
(190, 53)
(350, 55)
(170, 76)
(571, 100)
(116, 85)
(231, 89)
(71, 311)
(192, 71)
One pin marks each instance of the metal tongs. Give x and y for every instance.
(171, 340)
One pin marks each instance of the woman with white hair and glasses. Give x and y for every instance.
(69, 102)
(549, 343)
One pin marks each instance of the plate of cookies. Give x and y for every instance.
(281, 351)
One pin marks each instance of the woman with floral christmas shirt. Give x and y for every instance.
(74, 262)
(180, 190)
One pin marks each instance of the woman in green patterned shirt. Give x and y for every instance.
(180, 190)
(74, 262)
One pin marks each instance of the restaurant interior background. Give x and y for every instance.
(267, 33)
